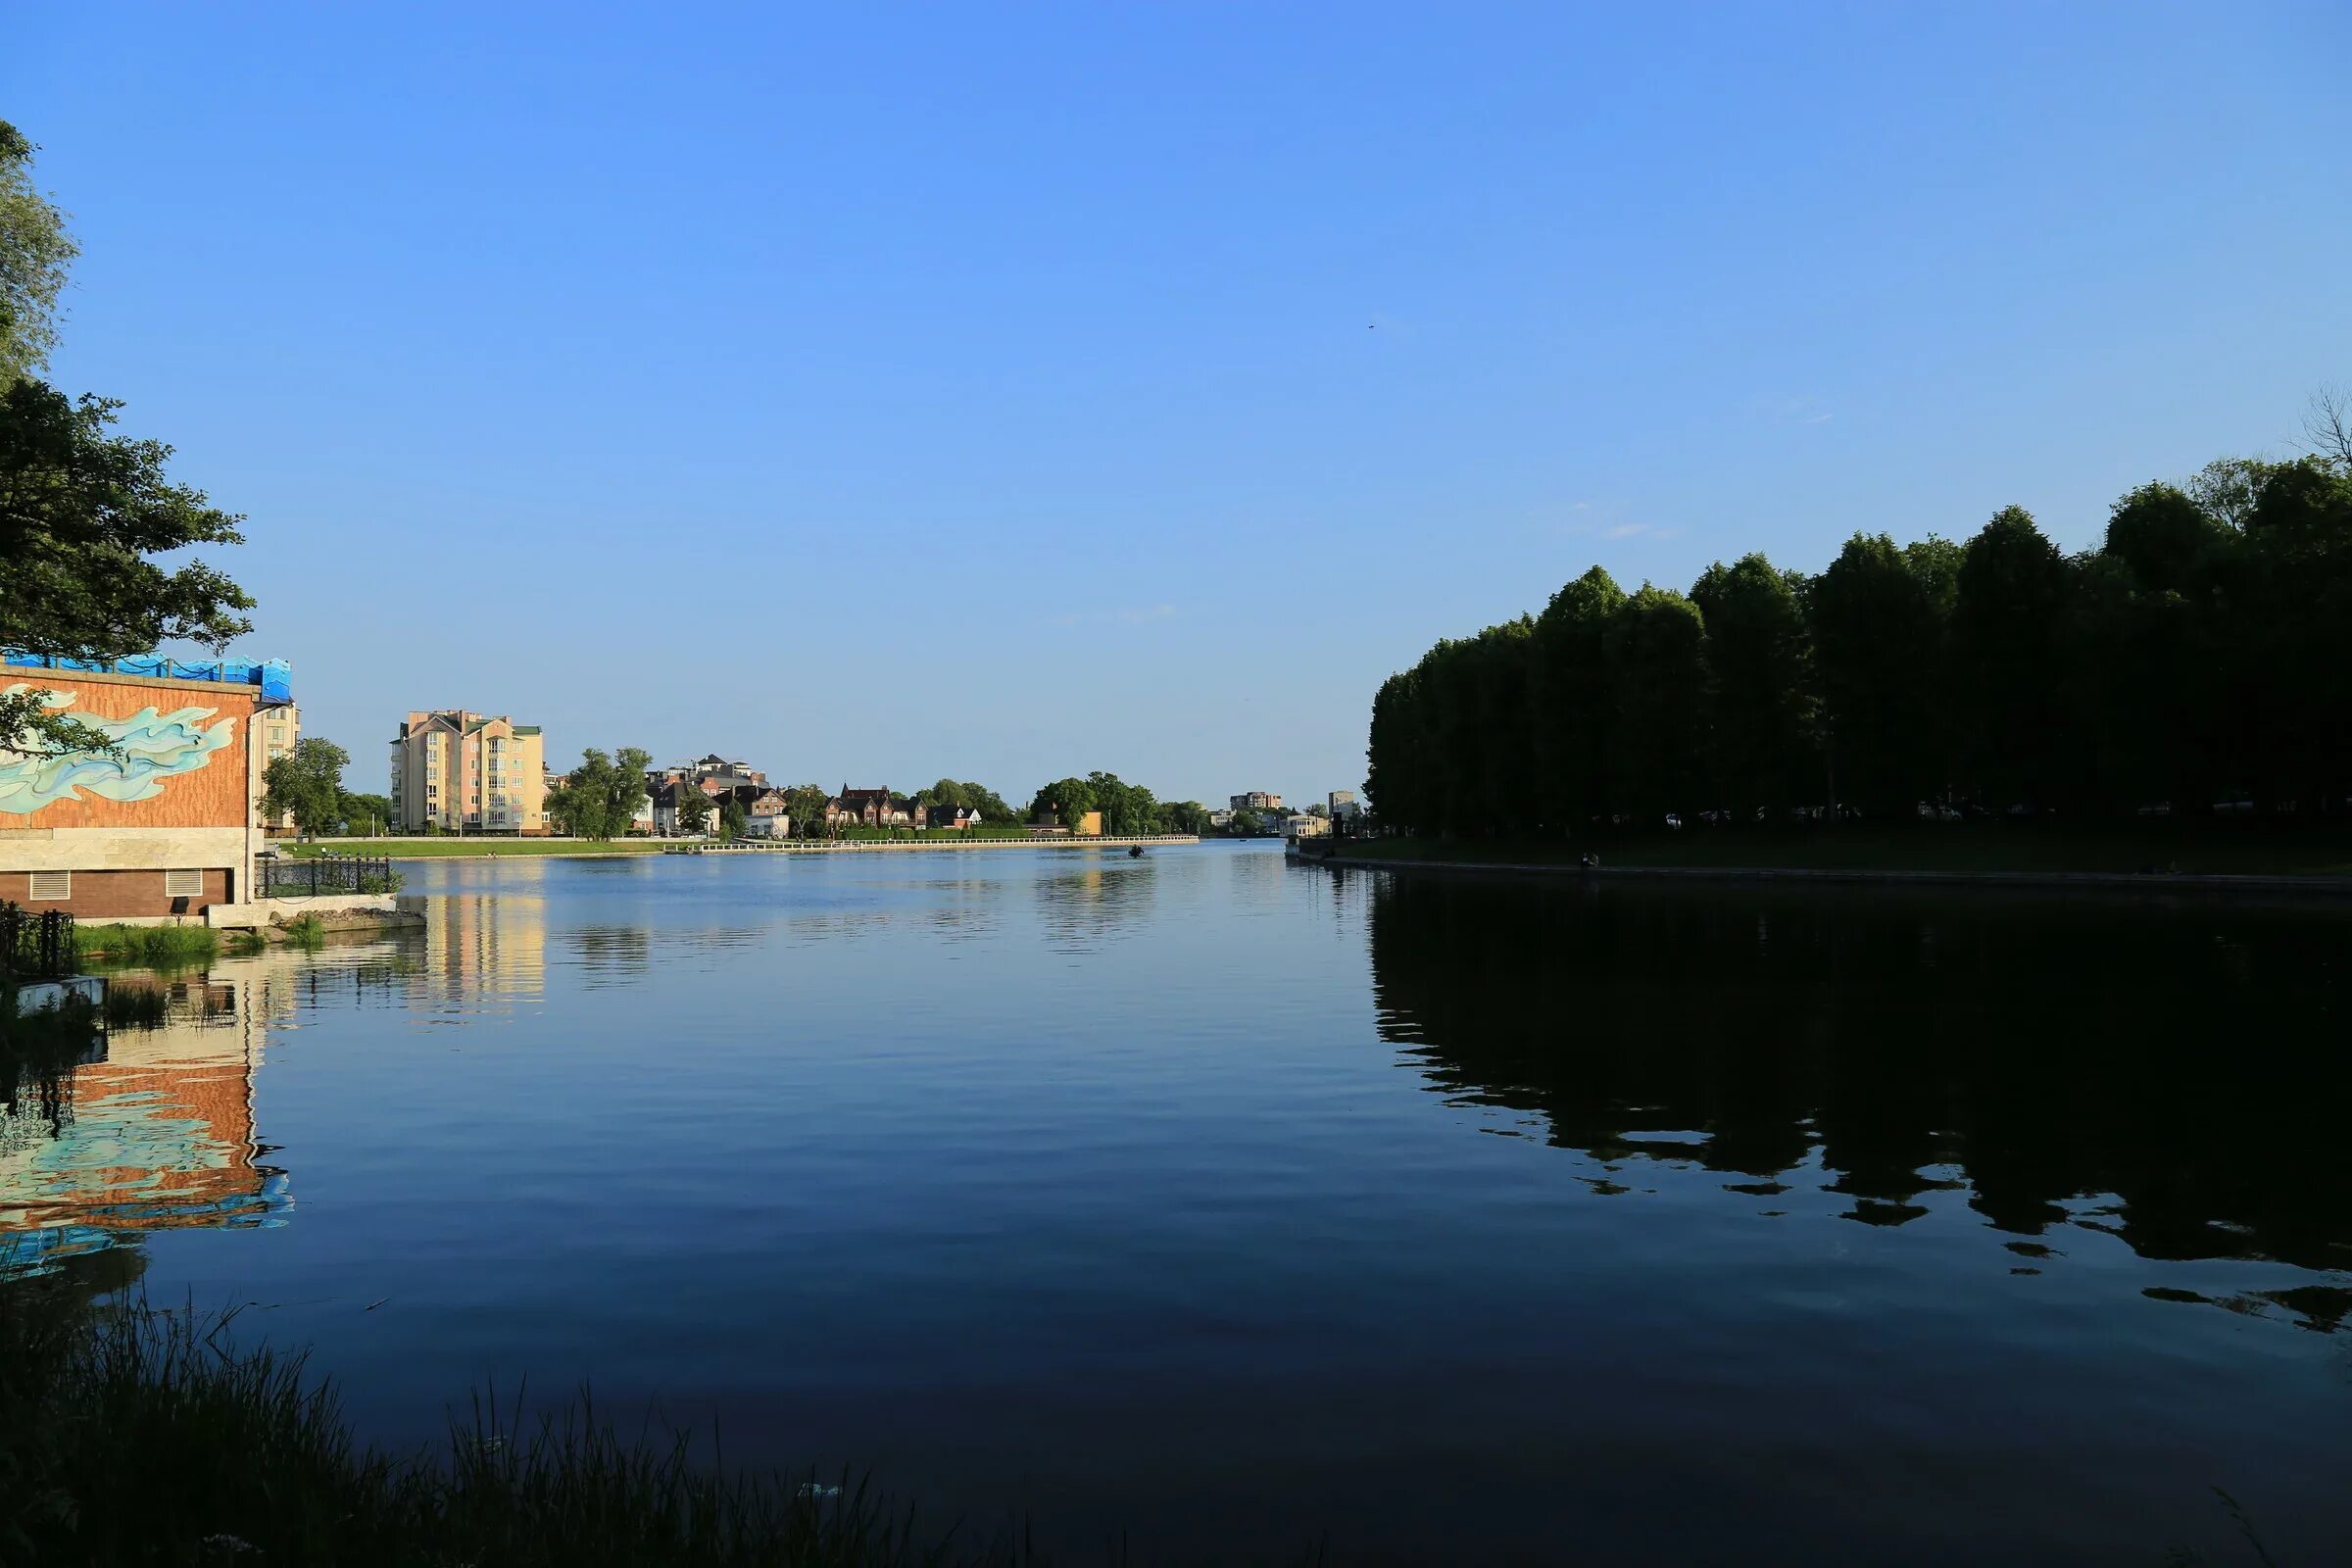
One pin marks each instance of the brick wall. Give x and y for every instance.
(115, 894)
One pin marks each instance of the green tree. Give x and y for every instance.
(1880, 625)
(1067, 800)
(693, 807)
(2012, 636)
(306, 784)
(1245, 823)
(1568, 690)
(1659, 681)
(364, 816)
(35, 253)
(732, 818)
(601, 797)
(1184, 816)
(1760, 653)
(804, 804)
(82, 511)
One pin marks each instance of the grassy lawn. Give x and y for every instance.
(431, 849)
(2195, 848)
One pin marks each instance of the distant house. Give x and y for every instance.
(871, 809)
(665, 804)
(767, 816)
(958, 818)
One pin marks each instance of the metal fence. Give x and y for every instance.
(332, 873)
(36, 944)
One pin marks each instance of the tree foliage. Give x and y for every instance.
(306, 784)
(599, 799)
(978, 798)
(35, 252)
(2199, 654)
(364, 816)
(693, 806)
(732, 818)
(82, 510)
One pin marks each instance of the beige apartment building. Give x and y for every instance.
(465, 773)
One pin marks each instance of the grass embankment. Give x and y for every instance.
(134, 1436)
(1939, 849)
(161, 947)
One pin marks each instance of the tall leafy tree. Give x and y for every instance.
(1067, 800)
(1660, 684)
(1573, 712)
(601, 797)
(693, 807)
(1879, 632)
(2011, 627)
(804, 804)
(306, 784)
(83, 511)
(1760, 652)
(35, 253)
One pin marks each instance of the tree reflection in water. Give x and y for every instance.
(2160, 1073)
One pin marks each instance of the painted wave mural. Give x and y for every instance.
(152, 747)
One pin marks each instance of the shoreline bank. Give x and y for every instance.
(2154, 883)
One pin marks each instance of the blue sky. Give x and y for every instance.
(1017, 390)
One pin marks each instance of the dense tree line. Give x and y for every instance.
(1127, 809)
(2203, 652)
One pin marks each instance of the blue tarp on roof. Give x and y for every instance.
(274, 676)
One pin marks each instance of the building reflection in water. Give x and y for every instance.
(142, 1130)
(2156, 1074)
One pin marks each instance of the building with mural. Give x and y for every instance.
(165, 826)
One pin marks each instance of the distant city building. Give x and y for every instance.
(278, 730)
(1256, 800)
(468, 772)
(1300, 825)
(1344, 804)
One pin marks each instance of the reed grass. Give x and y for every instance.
(159, 945)
(157, 1437)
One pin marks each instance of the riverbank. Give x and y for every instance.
(1997, 855)
(440, 848)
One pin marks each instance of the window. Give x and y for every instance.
(50, 887)
(183, 884)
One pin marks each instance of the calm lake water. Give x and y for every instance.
(1234, 1205)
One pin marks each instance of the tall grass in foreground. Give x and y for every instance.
(135, 1436)
(161, 946)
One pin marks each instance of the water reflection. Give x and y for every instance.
(2154, 1074)
(143, 1129)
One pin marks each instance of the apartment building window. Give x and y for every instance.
(183, 884)
(50, 887)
